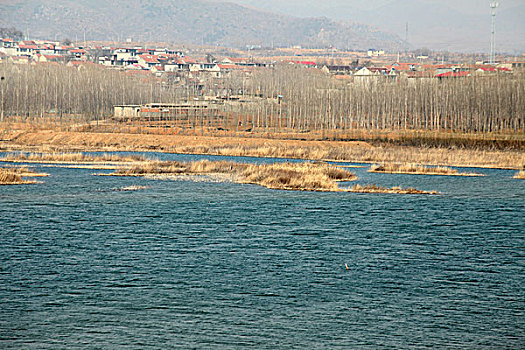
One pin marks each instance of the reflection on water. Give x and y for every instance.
(223, 265)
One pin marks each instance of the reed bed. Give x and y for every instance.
(9, 178)
(285, 176)
(24, 171)
(260, 147)
(415, 169)
(297, 176)
(338, 152)
(394, 190)
(77, 157)
(131, 188)
(16, 175)
(520, 175)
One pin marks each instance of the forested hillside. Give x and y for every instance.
(184, 21)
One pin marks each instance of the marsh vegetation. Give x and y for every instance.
(68, 157)
(415, 169)
(394, 190)
(355, 151)
(285, 176)
(18, 175)
(520, 175)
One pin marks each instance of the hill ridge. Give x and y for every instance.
(186, 22)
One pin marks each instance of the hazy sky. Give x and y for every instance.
(442, 24)
(472, 6)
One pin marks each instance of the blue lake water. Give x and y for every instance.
(186, 264)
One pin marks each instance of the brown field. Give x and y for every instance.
(414, 169)
(350, 151)
(520, 175)
(283, 176)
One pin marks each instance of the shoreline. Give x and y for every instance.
(330, 151)
(417, 169)
(428, 174)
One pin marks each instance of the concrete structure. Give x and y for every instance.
(126, 111)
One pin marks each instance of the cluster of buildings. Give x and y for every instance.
(160, 61)
(154, 60)
(166, 60)
(29, 51)
(420, 70)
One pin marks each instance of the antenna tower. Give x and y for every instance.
(493, 5)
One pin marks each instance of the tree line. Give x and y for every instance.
(283, 99)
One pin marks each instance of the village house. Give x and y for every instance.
(62, 50)
(168, 52)
(460, 74)
(338, 69)
(48, 58)
(8, 47)
(5, 42)
(305, 64)
(176, 64)
(105, 61)
(26, 48)
(375, 53)
(78, 54)
(149, 61)
(46, 49)
(124, 56)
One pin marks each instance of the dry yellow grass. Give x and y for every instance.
(24, 171)
(415, 169)
(296, 176)
(393, 190)
(283, 176)
(15, 175)
(64, 157)
(131, 188)
(260, 147)
(7, 177)
(520, 175)
(287, 176)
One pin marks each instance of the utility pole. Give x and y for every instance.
(2, 82)
(493, 5)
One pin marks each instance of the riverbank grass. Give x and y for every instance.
(347, 151)
(394, 190)
(71, 157)
(301, 176)
(17, 175)
(520, 175)
(415, 169)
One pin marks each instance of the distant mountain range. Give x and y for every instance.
(454, 25)
(185, 21)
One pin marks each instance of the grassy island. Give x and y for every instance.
(286, 176)
(395, 190)
(520, 175)
(16, 175)
(415, 169)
